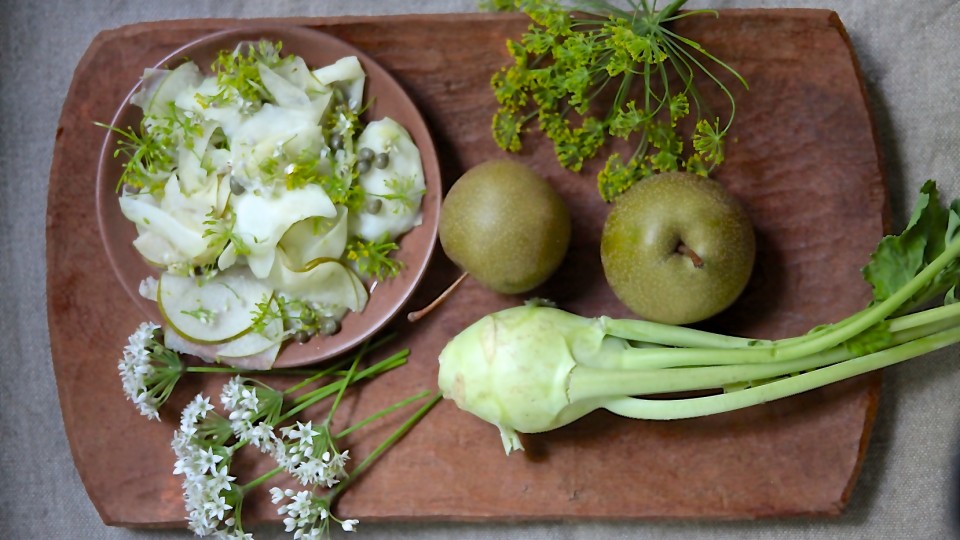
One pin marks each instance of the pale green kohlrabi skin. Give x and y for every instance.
(512, 368)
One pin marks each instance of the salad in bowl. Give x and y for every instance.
(272, 208)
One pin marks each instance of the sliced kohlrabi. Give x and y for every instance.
(157, 250)
(284, 92)
(348, 74)
(161, 87)
(142, 210)
(400, 185)
(246, 190)
(193, 176)
(190, 209)
(227, 113)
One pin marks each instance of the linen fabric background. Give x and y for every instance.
(910, 54)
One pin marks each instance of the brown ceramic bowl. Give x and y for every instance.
(387, 98)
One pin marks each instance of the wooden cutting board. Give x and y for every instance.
(802, 158)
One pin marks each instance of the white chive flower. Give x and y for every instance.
(137, 371)
(311, 456)
(254, 409)
(209, 494)
(307, 516)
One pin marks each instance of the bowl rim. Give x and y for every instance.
(428, 157)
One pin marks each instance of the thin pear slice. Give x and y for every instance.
(251, 343)
(262, 220)
(263, 360)
(211, 352)
(214, 309)
(325, 282)
(315, 238)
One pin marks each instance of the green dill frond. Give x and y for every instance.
(220, 231)
(403, 191)
(237, 71)
(561, 64)
(149, 162)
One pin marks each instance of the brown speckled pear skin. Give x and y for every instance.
(665, 213)
(505, 225)
(818, 213)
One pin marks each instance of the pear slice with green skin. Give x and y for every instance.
(223, 195)
(324, 281)
(261, 220)
(211, 310)
(252, 343)
(315, 238)
(212, 352)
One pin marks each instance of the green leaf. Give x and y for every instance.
(898, 258)
(951, 296)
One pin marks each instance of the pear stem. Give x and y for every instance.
(684, 249)
(415, 316)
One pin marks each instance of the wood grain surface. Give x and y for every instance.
(802, 159)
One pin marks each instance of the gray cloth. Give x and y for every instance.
(910, 54)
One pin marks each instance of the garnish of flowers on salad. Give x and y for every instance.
(269, 208)
(266, 203)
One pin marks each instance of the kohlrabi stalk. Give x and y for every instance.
(533, 368)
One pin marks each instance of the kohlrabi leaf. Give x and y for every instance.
(951, 296)
(898, 258)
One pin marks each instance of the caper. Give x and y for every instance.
(130, 190)
(328, 326)
(307, 317)
(373, 206)
(363, 166)
(301, 336)
(365, 154)
(382, 160)
(236, 187)
(336, 141)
